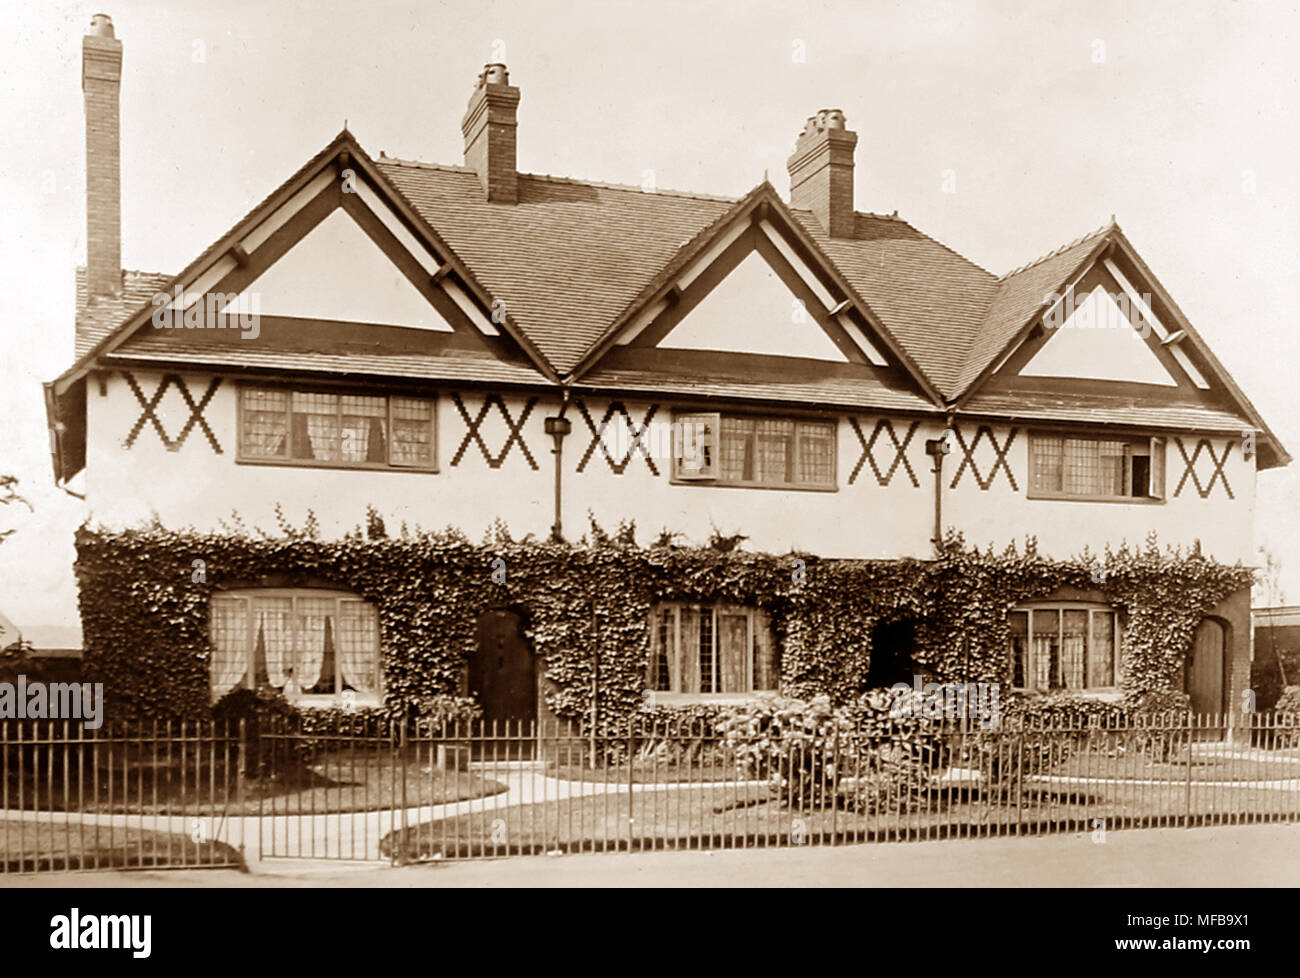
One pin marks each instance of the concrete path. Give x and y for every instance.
(350, 835)
(1235, 856)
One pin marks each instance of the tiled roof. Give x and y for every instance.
(843, 392)
(1101, 409)
(1019, 295)
(568, 257)
(931, 298)
(97, 319)
(474, 369)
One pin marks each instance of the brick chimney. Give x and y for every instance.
(489, 128)
(101, 82)
(821, 172)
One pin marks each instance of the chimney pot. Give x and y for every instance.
(101, 25)
(821, 172)
(101, 81)
(489, 129)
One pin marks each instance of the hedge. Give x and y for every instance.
(144, 606)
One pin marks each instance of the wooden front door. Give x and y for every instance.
(501, 674)
(1205, 668)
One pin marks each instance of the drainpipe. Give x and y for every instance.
(937, 448)
(557, 427)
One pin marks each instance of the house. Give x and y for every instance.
(460, 344)
(1276, 664)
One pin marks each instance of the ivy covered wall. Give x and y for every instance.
(144, 606)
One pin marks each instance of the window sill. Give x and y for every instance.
(1124, 500)
(701, 699)
(1105, 694)
(328, 701)
(715, 484)
(302, 463)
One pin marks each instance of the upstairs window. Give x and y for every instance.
(1091, 468)
(757, 451)
(1070, 645)
(327, 428)
(708, 650)
(316, 647)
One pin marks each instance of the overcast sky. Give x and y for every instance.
(1044, 118)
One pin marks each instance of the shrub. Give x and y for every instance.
(17, 660)
(262, 712)
(1286, 712)
(817, 756)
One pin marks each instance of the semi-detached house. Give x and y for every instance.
(457, 344)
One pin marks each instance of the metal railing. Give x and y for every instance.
(144, 795)
(185, 795)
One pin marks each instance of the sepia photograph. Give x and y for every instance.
(684, 444)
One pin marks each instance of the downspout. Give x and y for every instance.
(937, 448)
(557, 427)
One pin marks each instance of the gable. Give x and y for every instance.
(336, 272)
(750, 291)
(1097, 340)
(752, 311)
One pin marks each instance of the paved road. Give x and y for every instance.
(1250, 856)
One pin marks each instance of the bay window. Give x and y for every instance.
(710, 650)
(317, 647)
(1071, 645)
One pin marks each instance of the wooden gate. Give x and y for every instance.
(502, 672)
(1205, 668)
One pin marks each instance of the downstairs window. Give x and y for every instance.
(711, 650)
(1069, 645)
(319, 648)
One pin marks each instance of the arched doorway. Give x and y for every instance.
(1206, 666)
(501, 672)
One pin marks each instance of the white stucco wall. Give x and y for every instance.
(195, 486)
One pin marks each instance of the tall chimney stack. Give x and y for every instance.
(821, 172)
(101, 82)
(489, 129)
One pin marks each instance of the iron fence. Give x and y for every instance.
(145, 795)
(362, 788)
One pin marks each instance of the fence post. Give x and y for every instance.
(1187, 801)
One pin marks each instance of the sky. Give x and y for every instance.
(1003, 129)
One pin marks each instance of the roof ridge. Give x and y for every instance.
(1108, 226)
(946, 247)
(576, 181)
(902, 220)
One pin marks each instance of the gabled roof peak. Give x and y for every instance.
(570, 181)
(1106, 228)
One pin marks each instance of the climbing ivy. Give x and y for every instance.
(144, 605)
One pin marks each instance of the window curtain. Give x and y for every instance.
(229, 622)
(1046, 625)
(1018, 647)
(688, 652)
(766, 675)
(1101, 653)
(313, 621)
(1074, 647)
(356, 641)
(275, 636)
(733, 652)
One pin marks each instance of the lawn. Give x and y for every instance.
(1205, 767)
(28, 847)
(346, 780)
(739, 815)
